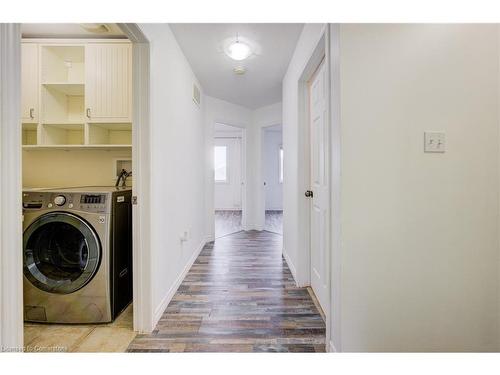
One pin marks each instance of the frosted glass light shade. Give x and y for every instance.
(238, 51)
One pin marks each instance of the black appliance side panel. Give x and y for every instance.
(121, 252)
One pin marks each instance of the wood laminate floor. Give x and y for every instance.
(239, 296)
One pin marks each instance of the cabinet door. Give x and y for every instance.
(29, 83)
(108, 82)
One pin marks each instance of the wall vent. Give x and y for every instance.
(196, 94)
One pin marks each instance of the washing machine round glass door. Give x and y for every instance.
(61, 252)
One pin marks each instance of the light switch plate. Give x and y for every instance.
(434, 142)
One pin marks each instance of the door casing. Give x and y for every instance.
(142, 264)
(321, 191)
(318, 54)
(244, 189)
(11, 259)
(11, 289)
(261, 219)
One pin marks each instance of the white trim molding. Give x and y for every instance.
(291, 266)
(141, 157)
(171, 292)
(335, 177)
(11, 264)
(331, 348)
(320, 50)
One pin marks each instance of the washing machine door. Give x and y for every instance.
(62, 252)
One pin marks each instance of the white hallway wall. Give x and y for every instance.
(178, 159)
(419, 232)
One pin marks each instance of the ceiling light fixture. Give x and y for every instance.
(238, 50)
(239, 70)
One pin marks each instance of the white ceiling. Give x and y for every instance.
(203, 45)
(66, 30)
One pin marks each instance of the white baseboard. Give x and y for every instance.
(290, 265)
(171, 292)
(331, 348)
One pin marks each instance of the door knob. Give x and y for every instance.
(309, 194)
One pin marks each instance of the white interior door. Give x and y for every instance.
(318, 99)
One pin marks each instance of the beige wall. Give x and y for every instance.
(419, 231)
(59, 168)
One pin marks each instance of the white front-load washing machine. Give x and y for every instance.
(77, 246)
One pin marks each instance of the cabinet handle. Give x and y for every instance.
(88, 112)
(32, 113)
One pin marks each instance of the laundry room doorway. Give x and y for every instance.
(64, 125)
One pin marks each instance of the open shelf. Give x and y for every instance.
(77, 147)
(63, 134)
(70, 89)
(110, 134)
(29, 134)
(64, 64)
(61, 121)
(62, 103)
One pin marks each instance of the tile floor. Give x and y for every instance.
(112, 337)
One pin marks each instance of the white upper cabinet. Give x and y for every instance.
(29, 83)
(76, 93)
(108, 82)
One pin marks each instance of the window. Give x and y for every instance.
(281, 164)
(220, 163)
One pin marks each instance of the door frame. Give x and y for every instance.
(11, 263)
(142, 263)
(261, 219)
(313, 76)
(327, 47)
(244, 189)
(11, 289)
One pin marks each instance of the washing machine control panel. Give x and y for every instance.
(60, 200)
(93, 202)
